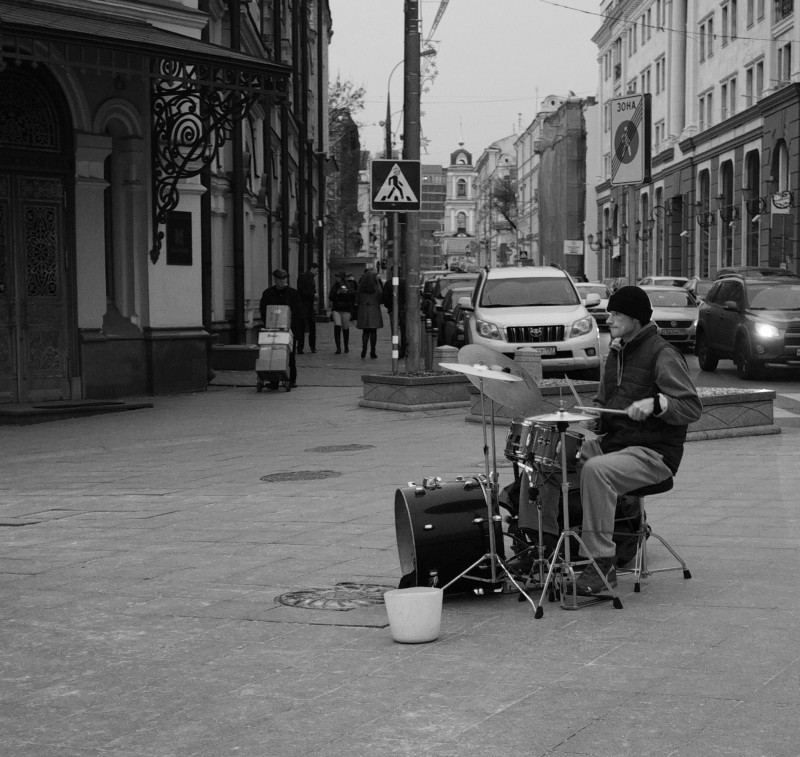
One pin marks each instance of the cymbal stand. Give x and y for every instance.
(496, 563)
(566, 573)
(529, 471)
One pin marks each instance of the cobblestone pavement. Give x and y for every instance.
(142, 555)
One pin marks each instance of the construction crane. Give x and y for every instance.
(439, 13)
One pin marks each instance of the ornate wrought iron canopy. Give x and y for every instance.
(198, 91)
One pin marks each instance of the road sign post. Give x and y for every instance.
(630, 139)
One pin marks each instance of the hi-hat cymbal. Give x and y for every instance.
(562, 416)
(480, 371)
(522, 399)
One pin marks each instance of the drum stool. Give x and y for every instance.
(641, 568)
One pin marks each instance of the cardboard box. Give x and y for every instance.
(275, 337)
(273, 358)
(277, 317)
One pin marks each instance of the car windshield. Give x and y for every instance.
(600, 289)
(445, 285)
(517, 293)
(770, 296)
(669, 299)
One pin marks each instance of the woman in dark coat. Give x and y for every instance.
(368, 300)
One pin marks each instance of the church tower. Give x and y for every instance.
(459, 245)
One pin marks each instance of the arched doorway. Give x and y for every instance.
(36, 157)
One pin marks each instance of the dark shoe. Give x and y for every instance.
(346, 349)
(373, 355)
(590, 583)
(363, 354)
(338, 352)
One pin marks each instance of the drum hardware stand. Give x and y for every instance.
(565, 566)
(489, 488)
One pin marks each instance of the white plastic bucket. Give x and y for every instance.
(415, 614)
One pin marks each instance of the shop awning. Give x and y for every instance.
(48, 34)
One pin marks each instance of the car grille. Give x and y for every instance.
(674, 324)
(534, 334)
(792, 338)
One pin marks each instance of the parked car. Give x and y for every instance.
(666, 281)
(699, 287)
(753, 320)
(444, 312)
(675, 314)
(615, 283)
(455, 321)
(754, 271)
(536, 307)
(441, 286)
(598, 312)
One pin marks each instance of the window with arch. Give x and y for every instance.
(754, 206)
(727, 212)
(461, 188)
(780, 166)
(704, 246)
(461, 222)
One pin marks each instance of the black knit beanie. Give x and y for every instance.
(631, 301)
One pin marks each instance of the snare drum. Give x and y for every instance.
(518, 440)
(545, 447)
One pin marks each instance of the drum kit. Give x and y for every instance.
(443, 526)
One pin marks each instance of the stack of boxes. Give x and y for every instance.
(275, 341)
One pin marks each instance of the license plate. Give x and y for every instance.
(550, 350)
(673, 332)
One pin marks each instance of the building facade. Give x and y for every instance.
(496, 210)
(157, 161)
(725, 142)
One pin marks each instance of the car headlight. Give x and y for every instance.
(487, 330)
(582, 326)
(766, 330)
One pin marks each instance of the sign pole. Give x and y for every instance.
(395, 298)
(411, 136)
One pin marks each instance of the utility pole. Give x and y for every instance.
(411, 151)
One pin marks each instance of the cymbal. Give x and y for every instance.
(481, 371)
(562, 416)
(523, 399)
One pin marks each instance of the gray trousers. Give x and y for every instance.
(602, 478)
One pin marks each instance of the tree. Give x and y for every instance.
(504, 199)
(343, 96)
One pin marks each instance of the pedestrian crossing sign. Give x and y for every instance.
(395, 185)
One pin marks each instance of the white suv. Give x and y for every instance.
(535, 307)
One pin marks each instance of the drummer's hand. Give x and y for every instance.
(641, 409)
(593, 423)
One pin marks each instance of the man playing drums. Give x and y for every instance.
(648, 379)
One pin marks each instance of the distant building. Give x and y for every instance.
(496, 216)
(723, 80)
(459, 242)
(433, 197)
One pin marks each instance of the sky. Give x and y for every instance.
(496, 60)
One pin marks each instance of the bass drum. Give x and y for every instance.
(437, 536)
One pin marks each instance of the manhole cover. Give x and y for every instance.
(344, 596)
(300, 475)
(341, 448)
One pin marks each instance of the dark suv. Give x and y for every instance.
(752, 320)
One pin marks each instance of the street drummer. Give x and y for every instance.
(648, 379)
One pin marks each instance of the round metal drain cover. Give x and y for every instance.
(341, 448)
(344, 596)
(299, 475)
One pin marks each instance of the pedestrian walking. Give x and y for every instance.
(307, 294)
(368, 301)
(342, 301)
(280, 293)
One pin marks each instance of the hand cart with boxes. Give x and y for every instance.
(274, 348)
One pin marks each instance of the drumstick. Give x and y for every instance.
(601, 410)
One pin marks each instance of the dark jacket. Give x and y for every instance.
(285, 296)
(640, 368)
(306, 287)
(388, 296)
(342, 297)
(368, 301)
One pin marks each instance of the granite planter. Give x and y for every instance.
(425, 390)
